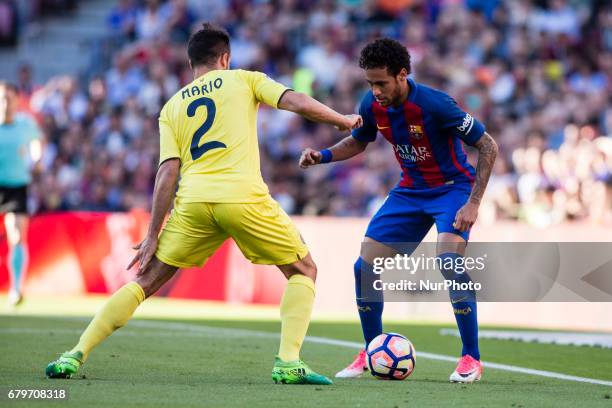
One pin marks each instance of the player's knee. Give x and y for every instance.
(154, 277)
(310, 270)
(150, 286)
(305, 267)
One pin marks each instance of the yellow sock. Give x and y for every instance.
(113, 315)
(295, 309)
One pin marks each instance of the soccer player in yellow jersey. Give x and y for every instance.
(208, 137)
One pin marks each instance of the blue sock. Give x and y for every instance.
(464, 306)
(370, 302)
(18, 261)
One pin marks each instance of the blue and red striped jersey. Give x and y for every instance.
(426, 133)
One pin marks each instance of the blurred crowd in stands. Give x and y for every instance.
(16, 15)
(536, 73)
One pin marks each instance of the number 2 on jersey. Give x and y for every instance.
(198, 151)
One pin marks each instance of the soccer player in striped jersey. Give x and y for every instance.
(425, 128)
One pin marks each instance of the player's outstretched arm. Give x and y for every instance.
(314, 110)
(165, 187)
(343, 150)
(487, 152)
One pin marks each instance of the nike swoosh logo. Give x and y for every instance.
(459, 300)
(382, 127)
(467, 375)
(401, 370)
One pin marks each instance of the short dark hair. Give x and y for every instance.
(385, 53)
(208, 44)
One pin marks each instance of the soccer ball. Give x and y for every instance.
(391, 356)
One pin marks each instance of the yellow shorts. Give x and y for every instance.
(263, 231)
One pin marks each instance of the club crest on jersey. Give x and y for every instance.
(416, 131)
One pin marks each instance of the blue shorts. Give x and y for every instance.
(407, 214)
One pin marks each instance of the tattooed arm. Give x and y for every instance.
(487, 152)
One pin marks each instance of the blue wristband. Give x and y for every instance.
(326, 156)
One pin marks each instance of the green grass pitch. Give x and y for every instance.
(151, 363)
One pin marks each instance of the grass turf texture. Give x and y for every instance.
(146, 366)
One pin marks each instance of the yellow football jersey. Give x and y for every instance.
(211, 126)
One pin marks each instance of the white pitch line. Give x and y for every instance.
(356, 345)
(441, 357)
(199, 330)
